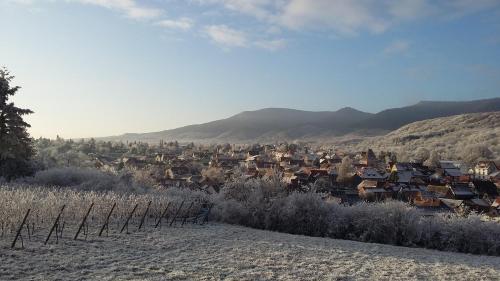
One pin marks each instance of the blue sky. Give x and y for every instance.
(106, 67)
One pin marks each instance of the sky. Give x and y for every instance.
(91, 68)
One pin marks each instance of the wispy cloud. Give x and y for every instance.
(226, 36)
(130, 8)
(397, 47)
(271, 45)
(179, 24)
(339, 18)
(350, 17)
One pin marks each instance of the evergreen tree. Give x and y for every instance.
(16, 145)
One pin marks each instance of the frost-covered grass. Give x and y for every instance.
(226, 252)
(392, 222)
(259, 204)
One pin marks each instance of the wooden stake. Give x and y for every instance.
(56, 223)
(20, 229)
(84, 220)
(129, 217)
(176, 213)
(106, 223)
(162, 215)
(187, 213)
(205, 219)
(144, 216)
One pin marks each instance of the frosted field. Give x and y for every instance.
(225, 252)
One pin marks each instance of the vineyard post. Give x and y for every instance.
(162, 215)
(106, 223)
(205, 218)
(56, 222)
(176, 213)
(20, 229)
(84, 220)
(144, 216)
(187, 213)
(129, 217)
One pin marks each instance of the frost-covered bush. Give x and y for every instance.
(300, 213)
(85, 179)
(230, 211)
(391, 222)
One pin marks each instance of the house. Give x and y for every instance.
(485, 189)
(368, 159)
(495, 178)
(478, 205)
(483, 169)
(369, 173)
(460, 191)
(495, 207)
(456, 206)
(408, 173)
(372, 190)
(426, 199)
(178, 172)
(405, 192)
(439, 191)
(449, 170)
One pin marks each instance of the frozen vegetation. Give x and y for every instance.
(258, 204)
(224, 252)
(465, 137)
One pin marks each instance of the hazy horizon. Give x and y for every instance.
(94, 68)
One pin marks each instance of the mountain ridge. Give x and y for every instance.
(278, 124)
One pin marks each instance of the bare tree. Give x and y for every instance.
(474, 153)
(345, 169)
(433, 160)
(422, 154)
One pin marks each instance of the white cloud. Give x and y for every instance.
(411, 9)
(226, 36)
(271, 45)
(459, 8)
(270, 18)
(130, 8)
(180, 24)
(350, 16)
(261, 9)
(397, 47)
(342, 16)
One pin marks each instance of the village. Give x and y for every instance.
(348, 178)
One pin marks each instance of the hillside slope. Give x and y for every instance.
(279, 124)
(392, 119)
(226, 252)
(448, 135)
(270, 124)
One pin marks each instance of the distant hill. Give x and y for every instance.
(391, 119)
(448, 135)
(278, 124)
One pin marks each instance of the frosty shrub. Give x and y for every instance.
(85, 179)
(300, 213)
(391, 222)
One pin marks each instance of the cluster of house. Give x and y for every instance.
(448, 186)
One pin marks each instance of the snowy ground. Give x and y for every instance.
(224, 252)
